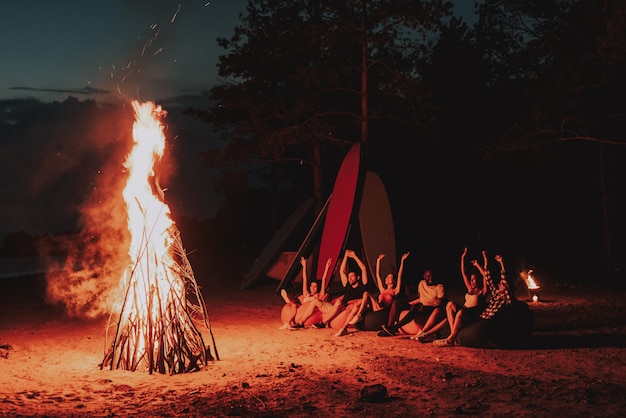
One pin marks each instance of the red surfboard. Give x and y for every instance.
(340, 210)
(376, 223)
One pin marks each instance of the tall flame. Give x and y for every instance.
(155, 319)
(144, 208)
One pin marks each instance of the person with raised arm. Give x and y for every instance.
(475, 298)
(500, 296)
(389, 292)
(314, 296)
(390, 288)
(356, 298)
(430, 302)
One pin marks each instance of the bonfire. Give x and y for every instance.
(155, 324)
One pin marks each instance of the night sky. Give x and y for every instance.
(144, 49)
(141, 49)
(165, 51)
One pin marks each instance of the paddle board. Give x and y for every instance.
(279, 268)
(377, 229)
(340, 209)
(304, 250)
(274, 247)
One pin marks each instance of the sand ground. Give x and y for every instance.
(575, 364)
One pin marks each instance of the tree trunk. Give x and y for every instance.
(606, 260)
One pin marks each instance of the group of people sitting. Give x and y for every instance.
(430, 316)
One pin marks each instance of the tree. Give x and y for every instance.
(303, 80)
(562, 60)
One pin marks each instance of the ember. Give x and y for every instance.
(155, 322)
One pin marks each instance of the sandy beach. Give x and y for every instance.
(574, 365)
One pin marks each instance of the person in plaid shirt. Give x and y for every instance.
(500, 296)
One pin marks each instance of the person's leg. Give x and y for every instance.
(285, 296)
(451, 310)
(410, 315)
(288, 314)
(292, 307)
(352, 307)
(365, 300)
(429, 334)
(308, 311)
(454, 330)
(456, 327)
(330, 315)
(435, 323)
(433, 318)
(373, 303)
(394, 312)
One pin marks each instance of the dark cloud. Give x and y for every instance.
(85, 91)
(60, 160)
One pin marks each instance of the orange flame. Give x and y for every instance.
(162, 300)
(149, 220)
(530, 281)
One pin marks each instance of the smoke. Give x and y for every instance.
(87, 282)
(65, 174)
(96, 256)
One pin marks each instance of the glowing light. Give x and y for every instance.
(530, 280)
(155, 318)
(531, 284)
(175, 14)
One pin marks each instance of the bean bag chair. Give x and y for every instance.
(338, 321)
(372, 321)
(414, 326)
(512, 327)
(289, 311)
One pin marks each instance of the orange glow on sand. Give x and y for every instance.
(154, 323)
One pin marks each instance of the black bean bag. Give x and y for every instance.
(372, 321)
(511, 327)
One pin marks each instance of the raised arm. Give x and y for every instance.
(499, 260)
(487, 275)
(325, 278)
(379, 280)
(506, 289)
(343, 269)
(305, 279)
(400, 271)
(482, 269)
(483, 289)
(466, 279)
(485, 260)
(502, 270)
(362, 267)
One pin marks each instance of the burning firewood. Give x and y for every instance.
(156, 324)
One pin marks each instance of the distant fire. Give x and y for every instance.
(531, 284)
(155, 322)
